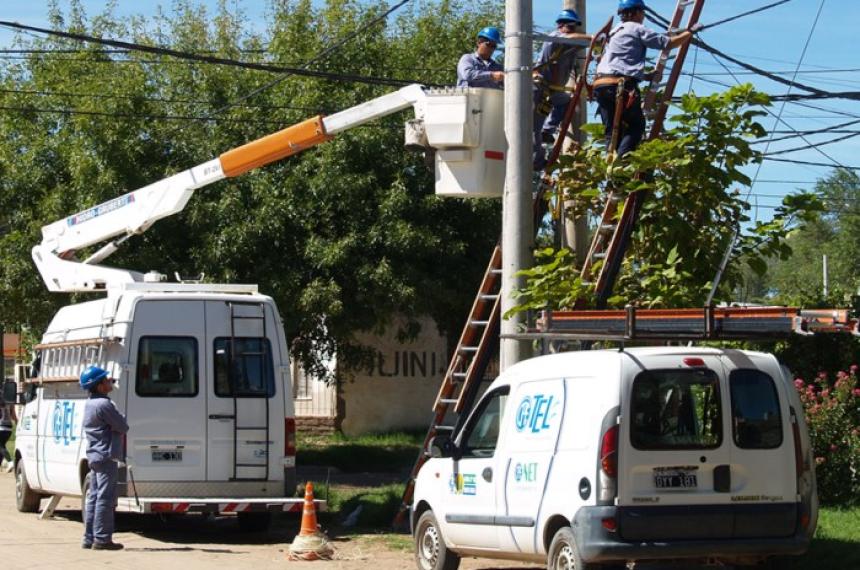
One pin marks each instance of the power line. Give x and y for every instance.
(811, 163)
(744, 14)
(815, 145)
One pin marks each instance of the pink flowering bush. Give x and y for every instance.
(832, 407)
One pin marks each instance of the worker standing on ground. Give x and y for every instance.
(7, 416)
(479, 69)
(104, 427)
(556, 63)
(624, 59)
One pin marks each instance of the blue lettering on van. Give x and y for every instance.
(534, 413)
(64, 422)
(463, 484)
(525, 472)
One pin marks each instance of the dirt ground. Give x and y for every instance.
(186, 543)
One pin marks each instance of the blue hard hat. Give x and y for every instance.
(92, 376)
(492, 34)
(631, 5)
(568, 16)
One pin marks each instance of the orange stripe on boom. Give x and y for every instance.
(276, 146)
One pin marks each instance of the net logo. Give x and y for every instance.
(534, 413)
(526, 472)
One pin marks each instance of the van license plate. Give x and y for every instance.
(170, 455)
(675, 479)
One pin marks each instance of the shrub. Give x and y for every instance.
(832, 408)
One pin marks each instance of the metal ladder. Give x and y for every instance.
(612, 234)
(465, 374)
(266, 364)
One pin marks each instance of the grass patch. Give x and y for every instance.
(373, 508)
(837, 541)
(374, 452)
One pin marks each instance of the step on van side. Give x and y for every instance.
(607, 457)
(203, 378)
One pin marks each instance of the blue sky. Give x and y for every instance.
(773, 40)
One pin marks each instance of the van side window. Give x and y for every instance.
(676, 409)
(756, 419)
(249, 373)
(483, 431)
(166, 367)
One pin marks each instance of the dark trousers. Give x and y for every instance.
(5, 434)
(100, 503)
(632, 119)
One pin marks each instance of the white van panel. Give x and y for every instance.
(60, 436)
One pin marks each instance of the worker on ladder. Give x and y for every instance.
(554, 67)
(479, 69)
(622, 66)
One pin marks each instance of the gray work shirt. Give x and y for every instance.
(472, 71)
(103, 426)
(558, 71)
(625, 50)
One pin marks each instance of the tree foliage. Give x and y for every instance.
(342, 236)
(692, 210)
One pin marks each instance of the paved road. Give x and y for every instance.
(185, 543)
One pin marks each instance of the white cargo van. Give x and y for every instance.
(204, 379)
(596, 458)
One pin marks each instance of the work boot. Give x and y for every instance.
(107, 546)
(86, 545)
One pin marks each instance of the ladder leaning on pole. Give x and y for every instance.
(465, 374)
(612, 234)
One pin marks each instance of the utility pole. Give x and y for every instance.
(575, 230)
(517, 231)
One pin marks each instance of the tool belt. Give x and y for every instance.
(614, 80)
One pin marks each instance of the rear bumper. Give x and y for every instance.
(597, 544)
(178, 506)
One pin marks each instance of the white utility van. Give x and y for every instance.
(595, 458)
(204, 380)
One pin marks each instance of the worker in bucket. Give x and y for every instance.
(555, 66)
(623, 60)
(104, 427)
(479, 69)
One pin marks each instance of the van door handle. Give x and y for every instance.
(222, 417)
(487, 474)
(722, 478)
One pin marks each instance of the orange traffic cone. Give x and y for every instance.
(311, 543)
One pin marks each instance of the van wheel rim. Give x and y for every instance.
(429, 547)
(19, 484)
(564, 558)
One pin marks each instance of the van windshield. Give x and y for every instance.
(676, 409)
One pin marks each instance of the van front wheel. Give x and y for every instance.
(563, 554)
(26, 499)
(430, 550)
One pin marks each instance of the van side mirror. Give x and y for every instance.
(10, 392)
(442, 446)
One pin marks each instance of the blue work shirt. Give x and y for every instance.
(103, 426)
(557, 72)
(472, 71)
(625, 50)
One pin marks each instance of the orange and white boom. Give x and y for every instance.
(133, 213)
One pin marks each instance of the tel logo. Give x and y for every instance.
(534, 413)
(64, 422)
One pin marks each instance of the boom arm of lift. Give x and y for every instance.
(135, 212)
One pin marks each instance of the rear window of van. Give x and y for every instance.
(756, 419)
(676, 409)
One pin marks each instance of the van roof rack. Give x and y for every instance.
(708, 323)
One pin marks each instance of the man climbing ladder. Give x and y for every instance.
(623, 67)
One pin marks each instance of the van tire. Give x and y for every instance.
(563, 554)
(254, 522)
(85, 490)
(430, 550)
(26, 499)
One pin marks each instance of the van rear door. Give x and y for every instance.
(675, 449)
(167, 392)
(244, 403)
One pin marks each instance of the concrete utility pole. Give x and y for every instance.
(576, 229)
(517, 231)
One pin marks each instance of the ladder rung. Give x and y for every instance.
(615, 197)
(443, 428)
(474, 323)
(686, 3)
(607, 228)
(485, 297)
(449, 401)
(496, 271)
(600, 255)
(469, 348)
(459, 375)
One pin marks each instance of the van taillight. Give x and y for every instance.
(289, 436)
(609, 452)
(798, 451)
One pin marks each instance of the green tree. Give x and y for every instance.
(343, 236)
(691, 212)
